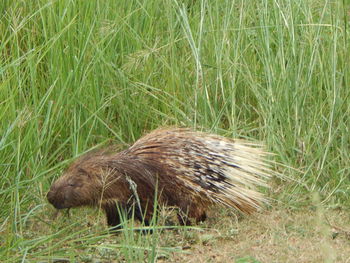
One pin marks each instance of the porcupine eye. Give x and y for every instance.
(75, 182)
(71, 182)
(78, 179)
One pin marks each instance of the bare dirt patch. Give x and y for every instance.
(273, 236)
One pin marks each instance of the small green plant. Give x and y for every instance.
(247, 260)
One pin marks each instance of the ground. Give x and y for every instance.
(279, 234)
(272, 236)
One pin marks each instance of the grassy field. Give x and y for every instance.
(80, 74)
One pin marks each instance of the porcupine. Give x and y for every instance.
(189, 170)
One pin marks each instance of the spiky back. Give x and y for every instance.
(214, 168)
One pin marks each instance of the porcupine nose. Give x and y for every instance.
(52, 198)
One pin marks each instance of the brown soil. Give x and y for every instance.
(273, 236)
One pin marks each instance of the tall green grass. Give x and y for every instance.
(76, 74)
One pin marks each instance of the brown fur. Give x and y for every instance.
(185, 171)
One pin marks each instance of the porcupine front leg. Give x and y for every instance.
(140, 217)
(112, 214)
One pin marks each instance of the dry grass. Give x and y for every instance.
(277, 235)
(273, 236)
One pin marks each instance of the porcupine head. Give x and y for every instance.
(87, 182)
